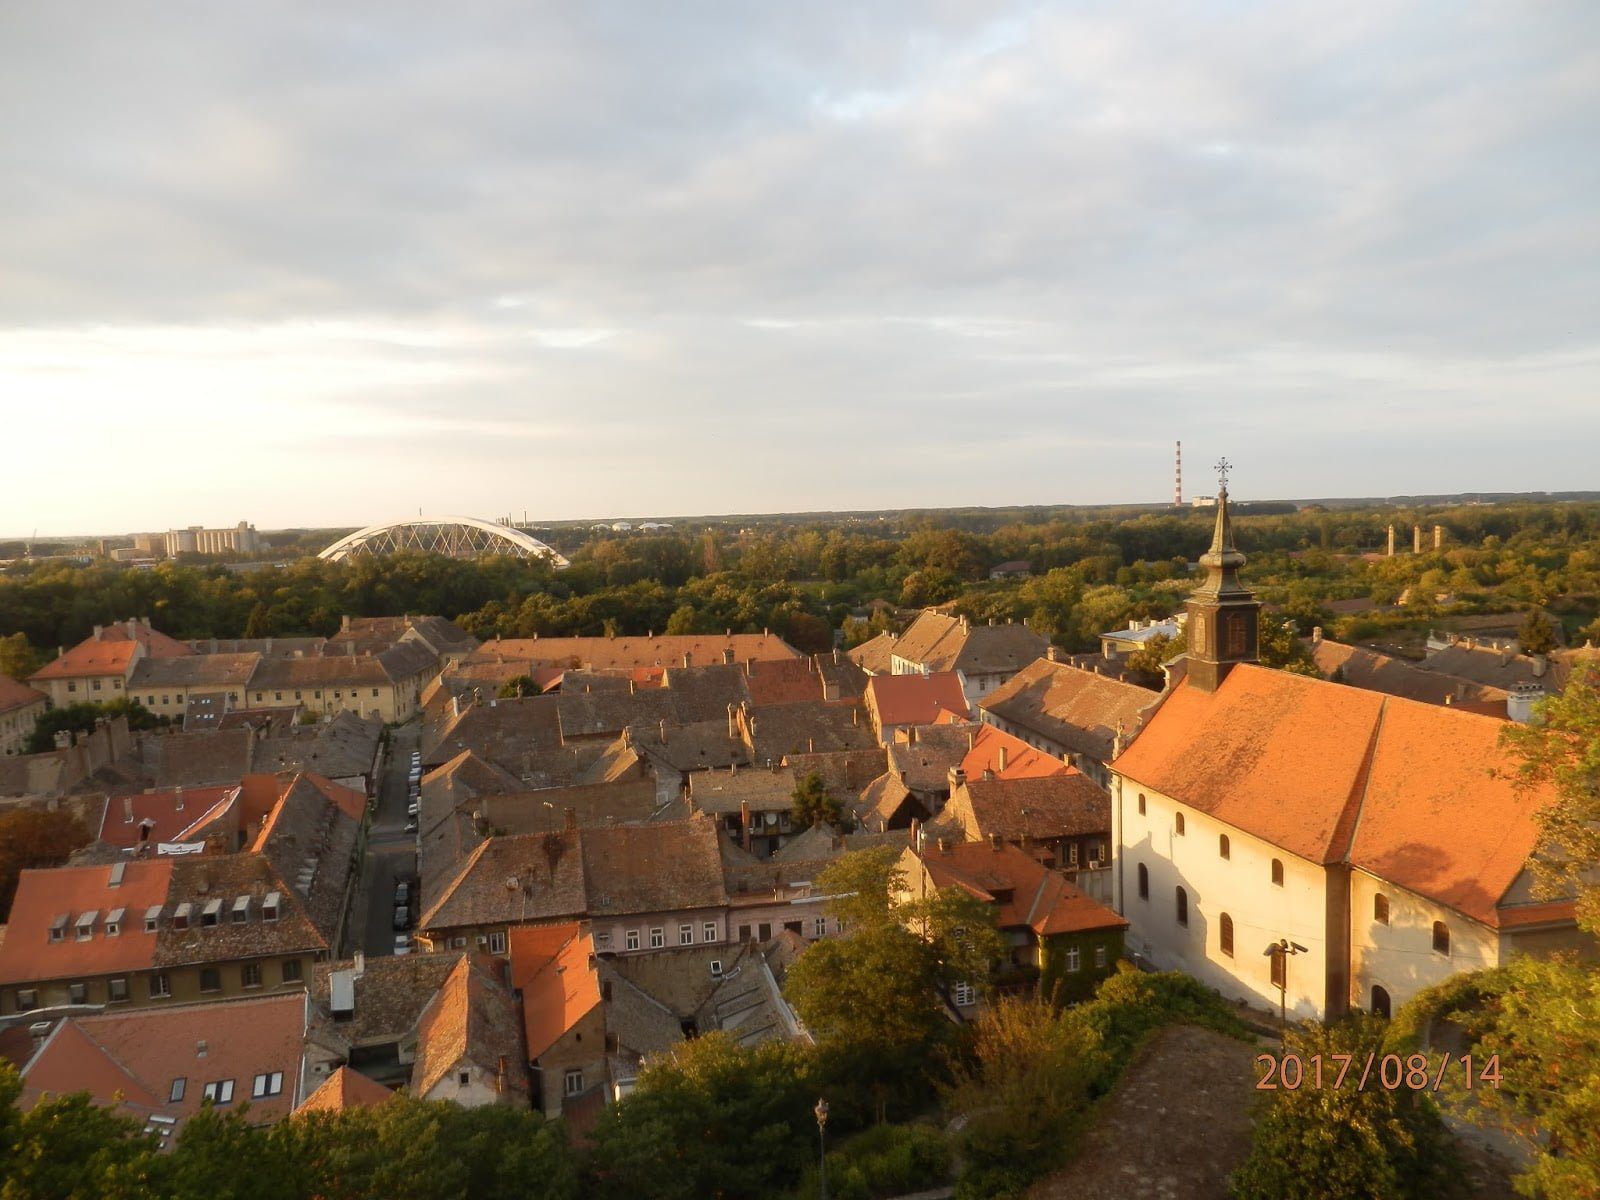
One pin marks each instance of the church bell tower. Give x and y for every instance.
(1224, 615)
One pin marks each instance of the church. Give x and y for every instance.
(1287, 839)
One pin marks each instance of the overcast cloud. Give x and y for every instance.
(326, 263)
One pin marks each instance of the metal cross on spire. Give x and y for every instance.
(1222, 468)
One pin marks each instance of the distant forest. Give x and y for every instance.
(1091, 570)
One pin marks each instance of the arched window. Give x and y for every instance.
(1441, 938)
(1183, 907)
(1226, 927)
(1277, 871)
(1380, 908)
(1178, 824)
(1223, 848)
(1380, 1001)
(1144, 882)
(1141, 804)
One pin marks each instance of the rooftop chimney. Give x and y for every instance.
(1002, 758)
(687, 658)
(177, 799)
(571, 819)
(1316, 635)
(663, 731)
(1053, 653)
(127, 810)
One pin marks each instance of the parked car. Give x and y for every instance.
(411, 825)
(402, 894)
(402, 943)
(402, 916)
(413, 809)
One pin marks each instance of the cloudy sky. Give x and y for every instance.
(327, 263)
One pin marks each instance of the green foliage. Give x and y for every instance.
(1534, 635)
(18, 660)
(884, 1161)
(812, 804)
(1346, 1143)
(1538, 1020)
(1562, 750)
(879, 998)
(711, 1119)
(1033, 1071)
(81, 718)
(31, 838)
(518, 686)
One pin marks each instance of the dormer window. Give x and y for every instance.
(269, 906)
(152, 918)
(114, 922)
(86, 924)
(212, 913)
(58, 927)
(181, 915)
(241, 910)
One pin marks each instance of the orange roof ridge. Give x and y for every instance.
(1344, 834)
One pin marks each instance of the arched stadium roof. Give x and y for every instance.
(456, 537)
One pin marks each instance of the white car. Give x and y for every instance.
(403, 943)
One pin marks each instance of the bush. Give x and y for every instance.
(1346, 1143)
(886, 1160)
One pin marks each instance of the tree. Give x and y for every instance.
(1534, 635)
(18, 660)
(1149, 659)
(712, 1118)
(880, 997)
(1561, 750)
(1282, 649)
(81, 718)
(518, 685)
(812, 804)
(67, 1147)
(1346, 1143)
(32, 838)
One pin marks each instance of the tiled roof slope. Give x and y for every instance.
(210, 756)
(27, 953)
(345, 1089)
(1022, 761)
(1404, 790)
(780, 730)
(664, 867)
(875, 655)
(602, 653)
(1074, 707)
(473, 1017)
(548, 870)
(942, 643)
(194, 670)
(140, 818)
(109, 650)
(500, 731)
(1374, 672)
(390, 994)
(14, 695)
(1055, 806)
(129, 1059)
(200, 879)
(1025, 893)
(553, 968)
(915, 699)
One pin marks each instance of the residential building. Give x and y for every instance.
(97, 669)
(1062, 820)
(166, 686)
(875, 656)
(20, 709)
(1059, 941)
(984, 656)
(344, 1089)
(612, 653)
(365, 1013)
(1360, 667)
(898, 701)
(1119, 643)
(386, 684)
(1069, 713)
(1370, 831)
(468, 1042)
(162, 1066)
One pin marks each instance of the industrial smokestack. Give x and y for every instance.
(1177, 479)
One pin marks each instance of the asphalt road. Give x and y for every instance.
(391, 851)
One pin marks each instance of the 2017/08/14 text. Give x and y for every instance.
(1415, 1072)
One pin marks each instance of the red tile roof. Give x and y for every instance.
(130, 1059)
(1071, 706)
(915, 699)
(345, 1089)
(471, 1018)
(109, 651)
(168, 813)
(553, 967)
(1025, 893)
(14, 695)
(1022, 760)
(27, 954)
(603, 653)
(1403, 790)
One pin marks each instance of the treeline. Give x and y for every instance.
(804, 582)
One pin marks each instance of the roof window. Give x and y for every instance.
(58, 927)
(269, 906)
(181, 915)
(152, 918)
(114, 921)
(212, 912)
(241, 910)
(86, 924)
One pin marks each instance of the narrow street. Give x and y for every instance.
(391, 853)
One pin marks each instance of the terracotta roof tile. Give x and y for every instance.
(665, 867)
(110, 651)
(14, 695)
(914, 699)
(472, 1018)
(875, 655)
(603, 652)
(554, 969)
(149, 818)
(345, 1089)
(1040, 808)
(1022, 761)
(1374, 672)
(64, 894)
(1071, 706)
(938, 642)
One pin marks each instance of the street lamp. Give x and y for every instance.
(1284, 947)
(822, 1142)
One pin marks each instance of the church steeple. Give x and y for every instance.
(1224, 615)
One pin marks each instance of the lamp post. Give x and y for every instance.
(1285, 948)
(822, 1143)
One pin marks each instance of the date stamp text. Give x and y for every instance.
(1392, 1072)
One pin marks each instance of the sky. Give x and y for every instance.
(311, 264)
